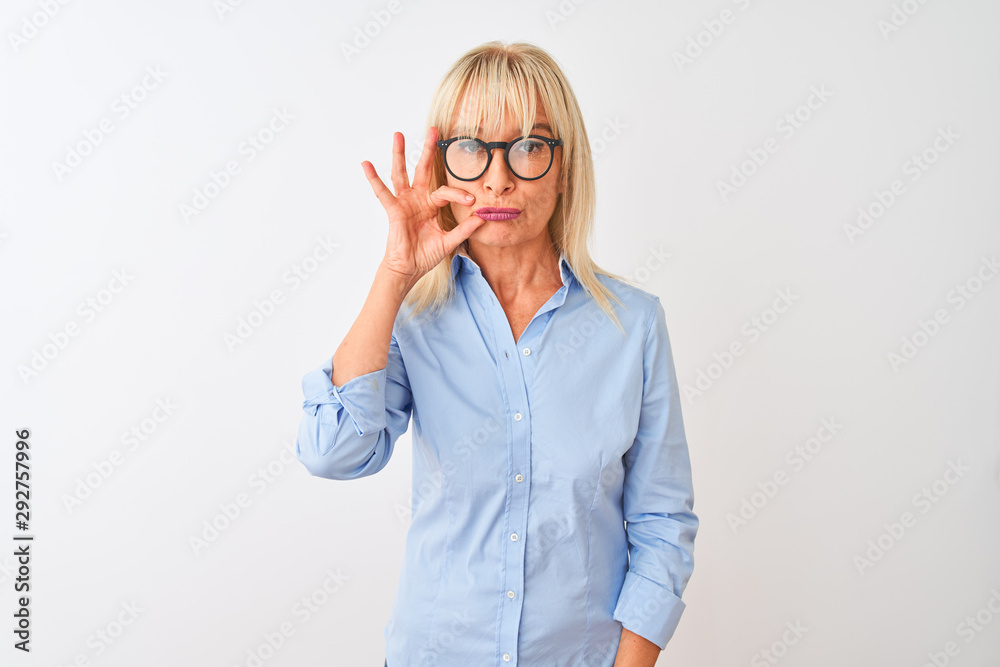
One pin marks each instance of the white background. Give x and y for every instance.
(665, 135)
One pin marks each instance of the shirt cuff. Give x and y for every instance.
(648, 609)
(363, 397)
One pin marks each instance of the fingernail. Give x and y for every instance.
(469, 197)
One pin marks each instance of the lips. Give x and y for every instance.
(497, 214)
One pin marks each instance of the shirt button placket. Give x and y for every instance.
(513, 378)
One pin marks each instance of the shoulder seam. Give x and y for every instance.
(652, 317)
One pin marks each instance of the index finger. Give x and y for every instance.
(422, 172)
(384, 195)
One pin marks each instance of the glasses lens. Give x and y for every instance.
(466, 158)
(529, 158)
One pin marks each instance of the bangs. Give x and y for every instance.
(490, 98)
(491, 89)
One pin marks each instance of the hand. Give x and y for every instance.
(416, 242)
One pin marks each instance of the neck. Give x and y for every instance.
(513, 270)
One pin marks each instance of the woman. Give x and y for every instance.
(542, 418)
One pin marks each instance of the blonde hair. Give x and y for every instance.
(496, 75)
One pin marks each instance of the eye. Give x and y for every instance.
(468, 146)
(530, 147)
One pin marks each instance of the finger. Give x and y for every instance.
(400, 180)
(446, 193)
(382, 192)
(422, 173)
(462, 231)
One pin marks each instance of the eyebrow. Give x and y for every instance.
(474, 130)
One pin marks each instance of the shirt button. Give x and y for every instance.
(519, 477)
(506, 657)
(517, 416)
(527, 351)
(513, 537)
(510, 594)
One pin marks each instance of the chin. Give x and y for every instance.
(495, 233)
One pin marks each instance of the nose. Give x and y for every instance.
(498, 179)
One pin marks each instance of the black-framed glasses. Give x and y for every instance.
(529, 158)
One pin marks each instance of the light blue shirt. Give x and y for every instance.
(528, 457)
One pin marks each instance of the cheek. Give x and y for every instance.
(549, 189)
(468, 186)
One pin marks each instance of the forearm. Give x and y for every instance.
(365, 348)
(636, 651)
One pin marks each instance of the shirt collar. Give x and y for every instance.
(462, 262)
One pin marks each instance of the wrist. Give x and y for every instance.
(399, 282)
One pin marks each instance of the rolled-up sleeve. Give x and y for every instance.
(350, 431)
(658, 500)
